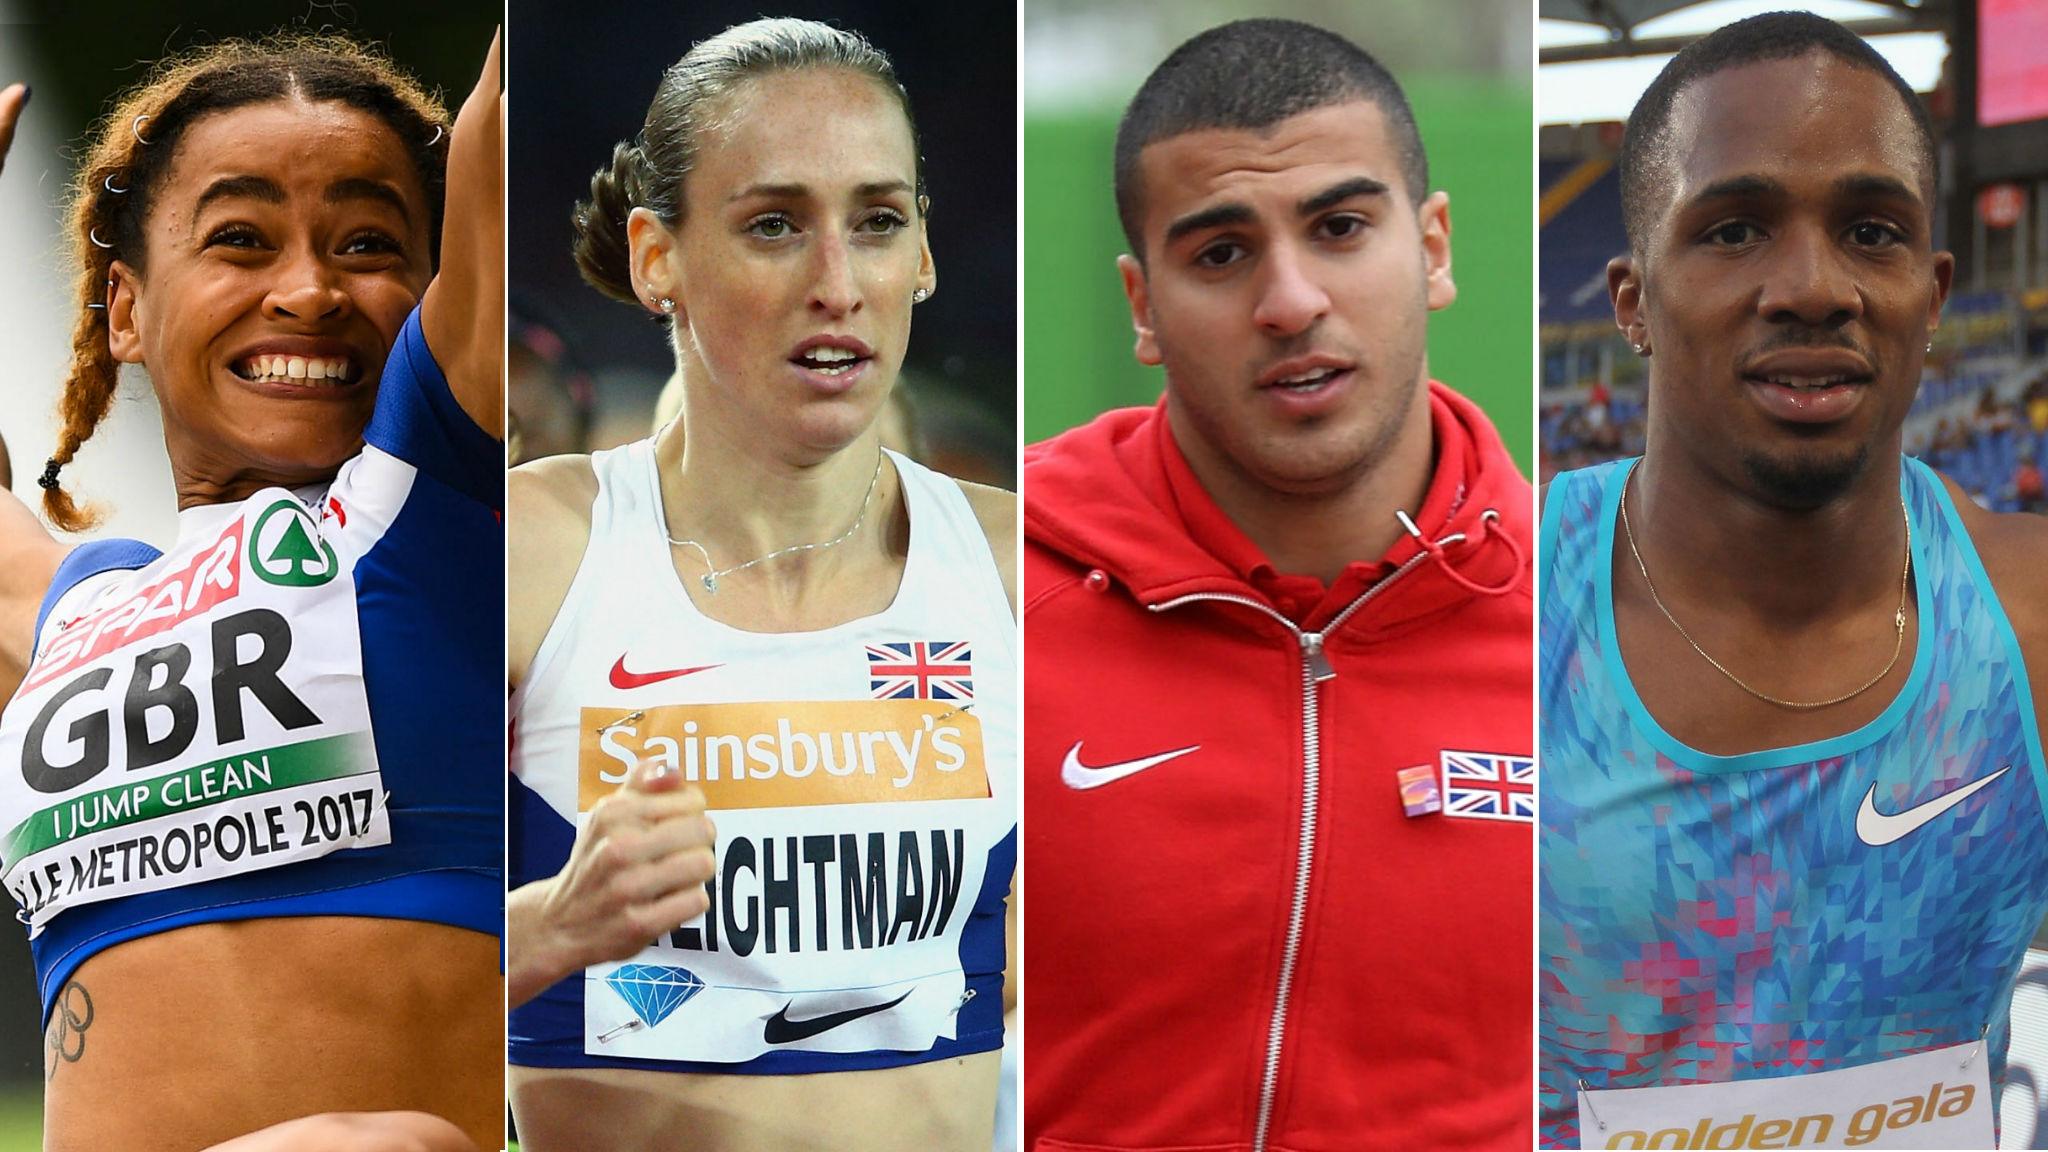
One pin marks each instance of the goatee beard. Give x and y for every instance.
(1804, 481)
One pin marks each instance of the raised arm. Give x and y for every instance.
(13, 99)
(463, 315)
(29, 555)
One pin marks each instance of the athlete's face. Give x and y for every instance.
(1787, 287)
(801, 245)
(284, 232)
(1286, 288)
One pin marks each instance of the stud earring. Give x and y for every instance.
(920, 296)
(666, 305)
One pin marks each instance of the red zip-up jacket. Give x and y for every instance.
(1235, 937)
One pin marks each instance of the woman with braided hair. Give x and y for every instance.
(249, 796)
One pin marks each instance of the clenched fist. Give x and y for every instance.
(637, 870)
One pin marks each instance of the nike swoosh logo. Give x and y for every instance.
(1878, 829)
(780, 1029)
(623, 679)
(1075, 774)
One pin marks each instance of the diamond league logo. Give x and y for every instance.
(652, 991)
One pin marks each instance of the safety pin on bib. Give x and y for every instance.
(621, 1030)
(1588, 1090)
(1977, 1047)
(628, 718)
(369, 821)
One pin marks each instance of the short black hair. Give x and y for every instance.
(1647, 144)
(1252, 74)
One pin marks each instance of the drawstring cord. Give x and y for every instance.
(1435, 551)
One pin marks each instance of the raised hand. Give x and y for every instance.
(13, 99)
(464, 312)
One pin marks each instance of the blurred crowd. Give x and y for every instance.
(1982, 422)
(1995, 449)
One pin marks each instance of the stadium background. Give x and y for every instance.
(1982, 412)
(76, 56)
(1084, 59)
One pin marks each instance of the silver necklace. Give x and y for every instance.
(710, 577)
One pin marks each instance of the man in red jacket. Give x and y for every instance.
(1278, 780)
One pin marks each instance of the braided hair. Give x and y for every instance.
(131, 148)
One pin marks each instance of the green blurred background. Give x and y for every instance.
(21, 1119)
(1465, 65)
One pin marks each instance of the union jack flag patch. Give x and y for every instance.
(921, 670)
(1490, 786)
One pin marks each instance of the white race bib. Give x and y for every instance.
(199, 718)
(1937, 1099)
(853, 837)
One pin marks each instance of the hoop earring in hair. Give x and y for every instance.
(48, 482)
(135, 128)
(108, 184)
(93, 234)
(437, 136)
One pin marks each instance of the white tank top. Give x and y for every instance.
(862, 777)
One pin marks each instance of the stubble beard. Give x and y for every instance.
(1300, 460)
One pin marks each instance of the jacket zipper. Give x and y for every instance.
(1315, 668)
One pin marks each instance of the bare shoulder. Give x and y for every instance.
(2014, 548)
(996, 509)
(547, 530)
(552, 488)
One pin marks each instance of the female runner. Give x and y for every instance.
(761, 614)
(247, 783)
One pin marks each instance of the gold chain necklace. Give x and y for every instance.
(1898, 619)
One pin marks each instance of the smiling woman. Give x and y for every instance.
(258, 864)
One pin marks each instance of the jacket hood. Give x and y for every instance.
(1100, 496)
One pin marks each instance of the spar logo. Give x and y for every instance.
(1818, 1130)
(211, 578)
(285, 547)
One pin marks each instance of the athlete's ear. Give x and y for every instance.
(927, 272)
(1944, 278)
(655, 277)
(1140, 296)
(1435, 221)
(124, 314)
(1625, 288)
